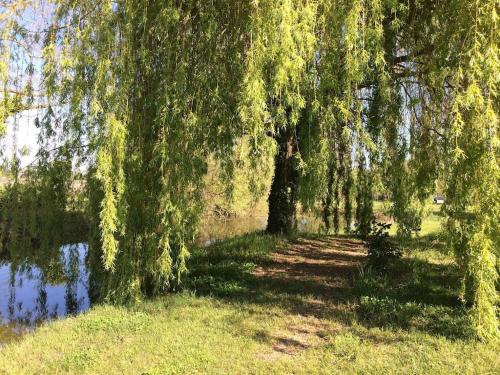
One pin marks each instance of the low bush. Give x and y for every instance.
(381, 250)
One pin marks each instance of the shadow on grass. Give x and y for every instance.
(265, 270)
(413, 294)
(323, 277)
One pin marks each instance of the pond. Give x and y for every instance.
(34, 291)
(42, 285)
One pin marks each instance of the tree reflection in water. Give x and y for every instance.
(42, 284)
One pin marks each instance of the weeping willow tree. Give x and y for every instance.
(414, 86)
(141, 94)
(449, 84)
(274, 94)
(136, 89)
(473, 178)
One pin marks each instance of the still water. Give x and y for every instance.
(43, 285)
(34, 291)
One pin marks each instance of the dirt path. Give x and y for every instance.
(331, 262)
(322, 272)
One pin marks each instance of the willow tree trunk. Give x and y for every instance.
(283, 196)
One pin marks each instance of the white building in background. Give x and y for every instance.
(438, 199)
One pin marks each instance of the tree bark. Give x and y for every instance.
(283, 195)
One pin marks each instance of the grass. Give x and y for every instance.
(258, 304)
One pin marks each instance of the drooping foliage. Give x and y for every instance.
(345, 95)
(364, 199)
(473, 178)
(146, 90)
(152, 83)
(274, 92)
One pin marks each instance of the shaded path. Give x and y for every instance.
(323, 271)
(330, 262)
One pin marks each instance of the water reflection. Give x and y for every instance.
(40, 283)
(32, 292)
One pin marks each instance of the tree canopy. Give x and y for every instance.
(346, 95)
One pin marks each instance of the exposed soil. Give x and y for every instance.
(326, 268)
(331, 262)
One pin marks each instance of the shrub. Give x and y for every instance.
(381, 250)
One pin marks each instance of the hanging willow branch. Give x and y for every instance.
(155, 88)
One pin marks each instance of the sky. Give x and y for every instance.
(26, 134)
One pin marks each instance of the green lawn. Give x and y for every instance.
(256, 304)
